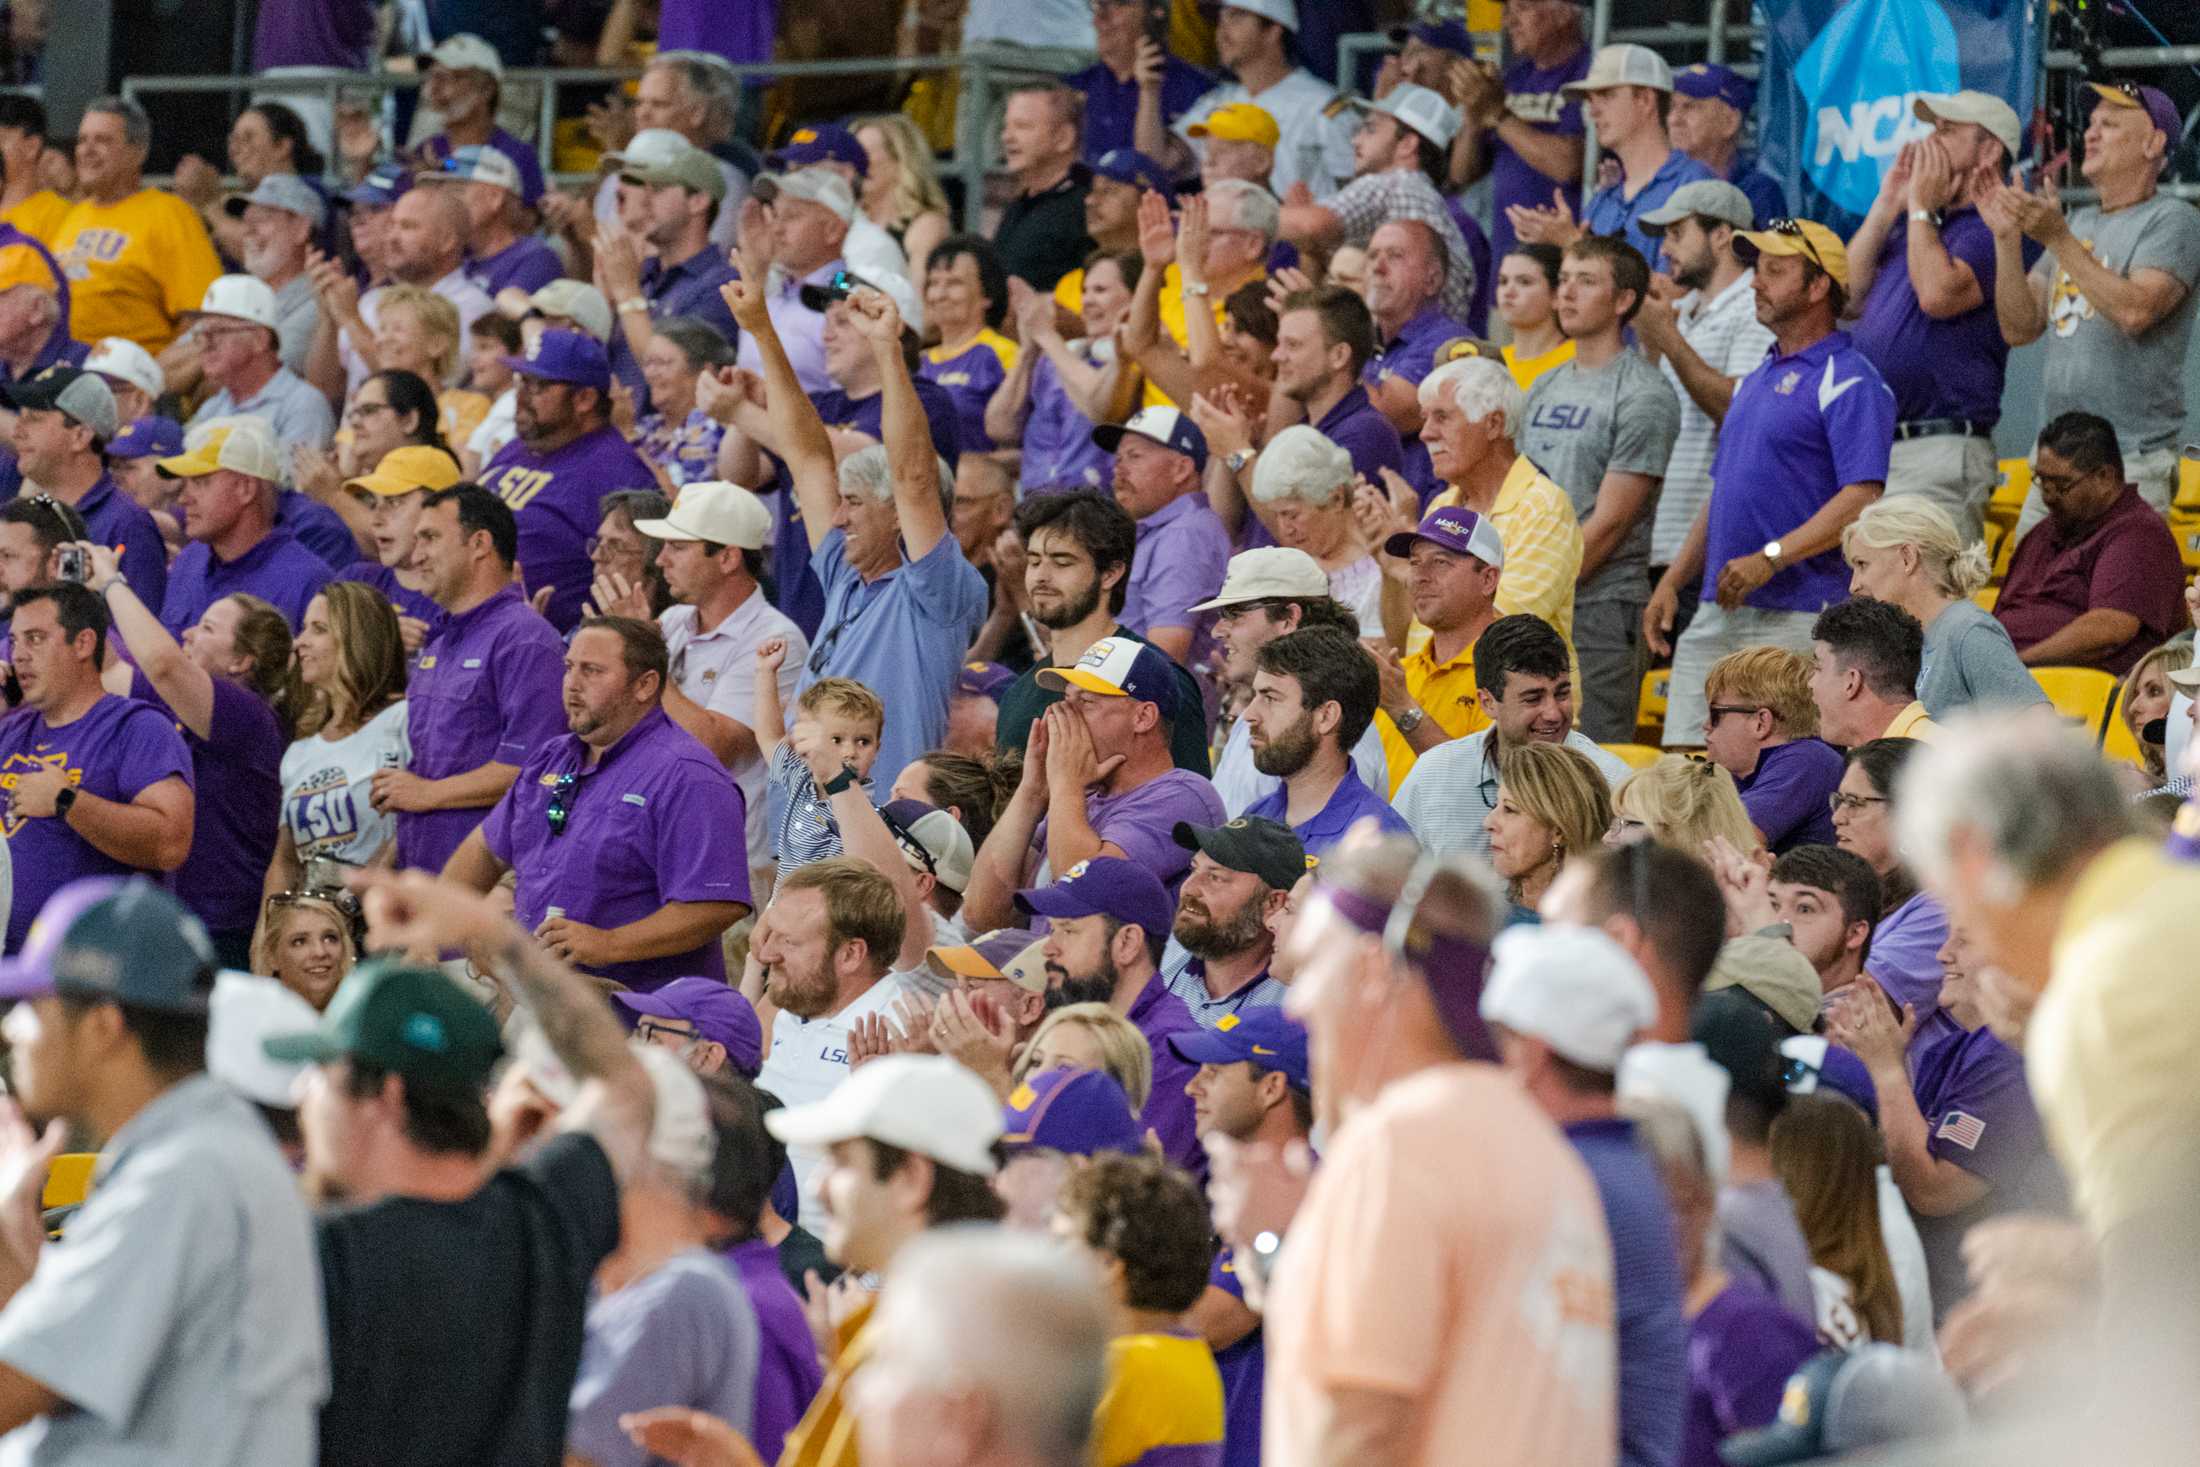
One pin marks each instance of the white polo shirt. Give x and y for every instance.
(717, 669)
(808, 1060)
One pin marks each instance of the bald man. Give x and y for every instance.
(427, 247)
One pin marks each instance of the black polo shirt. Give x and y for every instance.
(1042, 236)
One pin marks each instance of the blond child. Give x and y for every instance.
(835, 736)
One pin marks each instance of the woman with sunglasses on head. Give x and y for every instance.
(348, 685)
(309, 941)
(1912, 928)
(227, 687)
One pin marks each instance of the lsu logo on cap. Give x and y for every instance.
(1076, 871)
(1022, 1097)
(804, 135)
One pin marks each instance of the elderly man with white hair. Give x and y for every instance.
(2021, 831)
(282, 218)
(239, 330)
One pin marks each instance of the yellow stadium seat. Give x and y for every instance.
(2117, 742)
(2007, 548)
(1657, 684)
(2185, 525)
(2187, 495)
(1986, 596)
(2086, 695)
(69, 1179)
(2009, 493)
(1635, 756)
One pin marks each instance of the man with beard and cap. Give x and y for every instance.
(1219, 951)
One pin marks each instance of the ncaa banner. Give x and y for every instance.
(1840, 78)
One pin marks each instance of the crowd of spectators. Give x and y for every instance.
(701, 818)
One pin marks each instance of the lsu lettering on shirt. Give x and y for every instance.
(970, 372)
(134, 267)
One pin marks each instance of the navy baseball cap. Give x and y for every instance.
(1708, 79)
(572, 357)
(1075, 1112)
(1118, 667)
(1260, 1036)
(115, 941)
(147, 438)
(1251, 843)
(819, 142)
(1128, 165)
(1105, 886)
(1444, 35)
(718, 1013)
(381, 188)
(1810, 1063)
(1163, 425)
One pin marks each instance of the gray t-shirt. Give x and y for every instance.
(1585, 422)
(683, 1335)
(1969, 660)
(1760, 1243)
(2137, 383)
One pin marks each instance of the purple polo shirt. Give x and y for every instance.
(787, 1372)
(1355, 426)
(555, 497)
(655, 820)
(1241, 1367)
(1741, 1350)
(1979, 1115)
(332, 33)
(236, 771)
(488, 689)
(1111, 106)
(1058, 449)
(1183, 552)
(526, 263)
(1800, 428)
(405, 599)
(689, 289)
(1411, 354)
(1937, 369)
(277, 569)
(1786, 795)
(114, 519)
(740, 33)
(1532, 94)
(1904, 960)
(116, 750)
(1141, 822)
(523, 156)
(1348, 804)
(1158, 1013)
(317, 527)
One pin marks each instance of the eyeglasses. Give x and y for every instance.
(1721, 710)
(359, 412)
(1840, 800)
(597, 547)
(561, 802)
(649, 1028)
(2062, 483)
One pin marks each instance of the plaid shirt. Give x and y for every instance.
(1374, 199)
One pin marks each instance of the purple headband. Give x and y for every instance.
(1451, 968)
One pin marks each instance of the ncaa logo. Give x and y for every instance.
(1859, 82)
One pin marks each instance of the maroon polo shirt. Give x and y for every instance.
(2125, 561)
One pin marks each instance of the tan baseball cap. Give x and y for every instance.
(714, 512)
(245, 444)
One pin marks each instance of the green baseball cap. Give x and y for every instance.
(414, 1022)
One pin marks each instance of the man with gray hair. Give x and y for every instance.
(281, 219)
(137, 258)
(2021, 831)
(691, 93)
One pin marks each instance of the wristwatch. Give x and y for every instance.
(1410, 720)
(1197, 287)
(1772, 551)
(633, 306)
(843, 780)
(1925, 216)
(1236, 462)
(62, 800)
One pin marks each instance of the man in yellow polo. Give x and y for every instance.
(1451, 567)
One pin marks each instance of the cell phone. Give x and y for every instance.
(1157, 22)
(75, 564)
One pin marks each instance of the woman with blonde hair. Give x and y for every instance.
(2144, 701)
(1091, 1036)
(1827, 1156)
(901, 187)
(1908, 552)
(348, 683)
(1552, 804)
(1682, 802)
(308, 942)
(417, 331)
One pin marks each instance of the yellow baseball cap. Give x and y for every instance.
(1238, 122)
(405, 470)
(1804, 237)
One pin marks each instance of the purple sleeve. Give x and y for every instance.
(1144, 829)
(1859, 423)
(1989, 1126)
(1783, 800)
(1190, 573)
(151, 751)
(530, 673)
(702, 840)
(145, 559)
(496, 830)
(1904, 957)
(1222, 1274)
(1169, 1115)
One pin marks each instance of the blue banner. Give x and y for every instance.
(1841, 78)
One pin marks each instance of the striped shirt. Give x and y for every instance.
(1453, 788)
(1186, 977)
(807, 831)
(1726, 333)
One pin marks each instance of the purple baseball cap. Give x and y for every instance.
(1128, 165)
(719, 1013)
(565, 356)
(819, 142)
(1261, 1036)
(1163, 425)
(1075, 1112)
(1708, 79)
(983, 680)
(2156, 103)
(1454, 529)
(147, 438)
(1109, 886)
(1810, 1063)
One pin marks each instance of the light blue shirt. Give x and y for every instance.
(1610, 211)
(1453, 787)
(294, 409)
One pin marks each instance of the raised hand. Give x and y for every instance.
(624, 414)
(1284, 284)
(770, 654)
(1074, 763)
(744, 297)
(1156, 231)
(1192, 233)
(1228, 429)
(1932, 176)
(1554, 225)
(197, 182)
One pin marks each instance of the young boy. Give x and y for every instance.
(835, 735)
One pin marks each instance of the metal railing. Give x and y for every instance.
(984, 72)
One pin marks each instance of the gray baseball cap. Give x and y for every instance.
(285, 191)
(117, 941)
(1713, 198)
(81, 396)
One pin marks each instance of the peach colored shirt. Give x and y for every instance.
(1452, 1254)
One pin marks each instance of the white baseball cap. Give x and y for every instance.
(466, 52)
(244, 443)
(1301, 457)
(1283, 12)
(125, 361)
(241, 297)
(477, 163)
(1982, 108)
(1423, 110)
(713, 512)
(652, 147)
(1624, 66)
(1273, 572)
(1684, 1075)
(246, 1009)
(925, 1103)
(1574, 988)
(814, 186)
(576, 301)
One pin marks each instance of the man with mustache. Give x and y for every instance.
(1313, 697)
(1219, 951)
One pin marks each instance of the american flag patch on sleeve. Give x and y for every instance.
(1965, 1130)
